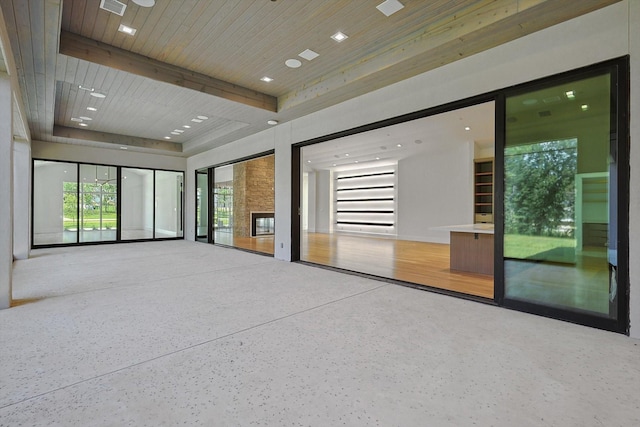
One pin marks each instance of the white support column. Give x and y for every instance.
(282, 143)
(21, 199)
(6, 190)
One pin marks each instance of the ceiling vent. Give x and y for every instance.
(113, 6)
(546, 113)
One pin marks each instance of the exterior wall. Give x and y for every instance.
(21, 199)
(6, 190)
(604, 34)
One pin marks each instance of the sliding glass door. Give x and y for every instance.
(86, 203)
(202, 205)
(55, 203)
(137, 204)
(98, 203)
(561, 196)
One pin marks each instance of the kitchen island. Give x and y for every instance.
(471, 248)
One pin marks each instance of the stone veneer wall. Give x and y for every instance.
(253, 191)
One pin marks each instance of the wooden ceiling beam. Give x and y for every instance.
(482, 26)
(97, 52)
(112, 138)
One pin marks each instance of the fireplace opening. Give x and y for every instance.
(262, 224)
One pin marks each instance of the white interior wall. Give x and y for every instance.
(147, 185)
(324, 207)
(435, 189)
(605, 34)
(309, 202)
(48, 200)
(84, 154)
(167, 203)
(132, 208)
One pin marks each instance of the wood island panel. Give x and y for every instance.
(471, 252)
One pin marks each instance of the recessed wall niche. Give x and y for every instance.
(365, 200)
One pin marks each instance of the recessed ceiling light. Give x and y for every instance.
(202, 117)
(266, 79)
(570, 94)
(334, 164)
(377, 158)
(308, 161)
(399, 145)
(292, 63)
(175, 133)
(92, 109)
(531, 101)
(83, 124)
(76, 119)
(127, 30)
(467, 128)
(196, 120)
(272, 122)
(178, 130)
(88, 89)
(339, 36)
(124, 148)
(86, 118)
(584, 107)
(186, 126)
(167, 137)
(389, 7)
(98, 95)
(346, 155)
(308, 54)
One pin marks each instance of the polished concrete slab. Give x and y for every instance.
(167, 333)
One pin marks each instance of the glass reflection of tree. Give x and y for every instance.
(539, 200)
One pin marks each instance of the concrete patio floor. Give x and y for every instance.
(183, 333)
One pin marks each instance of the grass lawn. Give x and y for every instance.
(92, 220)
(523, 247)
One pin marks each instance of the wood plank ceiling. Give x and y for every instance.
(206, 58)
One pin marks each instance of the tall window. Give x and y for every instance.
(79, 203)
(560, 198)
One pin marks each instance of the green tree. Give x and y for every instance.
(540, 187)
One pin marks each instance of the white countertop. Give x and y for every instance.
(468, 228)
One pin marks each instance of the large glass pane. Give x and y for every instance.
(557, 194)
(412, 201)
(223, 205)
(98, 198)
(168, 204)
(244, 202)
(202, 205)
(55, 202)
(137, 204)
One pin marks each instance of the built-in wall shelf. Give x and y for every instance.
(365, 200)
(369, 175)
(483, 190)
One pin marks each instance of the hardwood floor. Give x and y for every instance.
(416, 262)
(263, 244)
